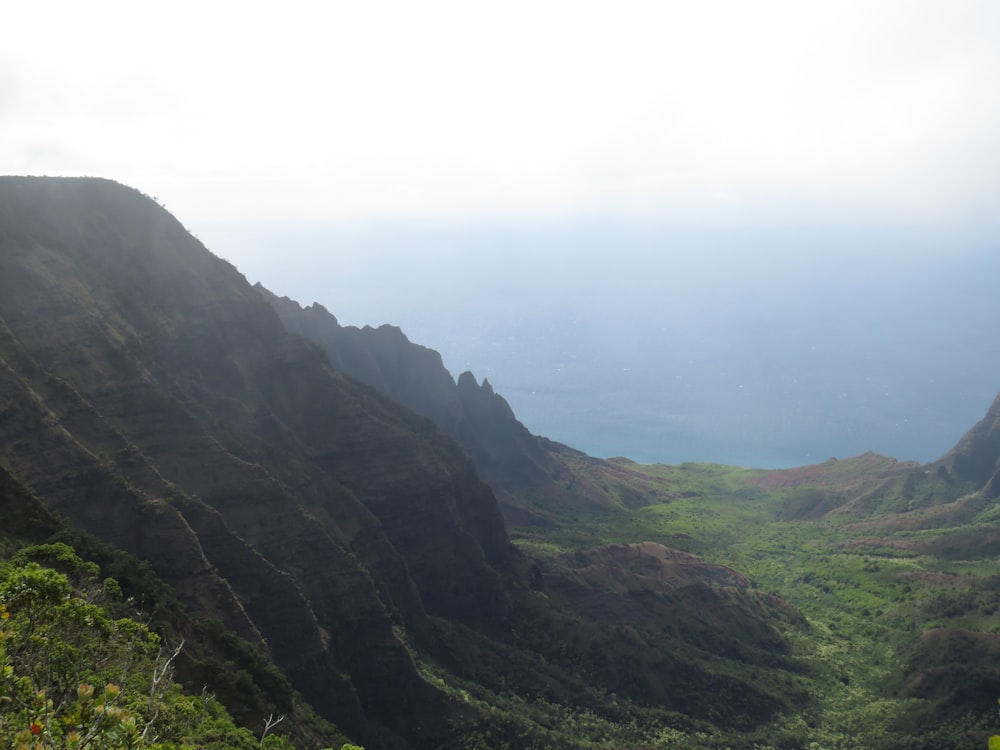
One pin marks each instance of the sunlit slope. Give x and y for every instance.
(895, 566)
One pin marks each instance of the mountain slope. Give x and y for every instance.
(238, 674)
(966, 478)
(153, 398)
(976, 458)
(535, 479)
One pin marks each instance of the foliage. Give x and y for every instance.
(239, 675)
(72, 675)
(73, 662)
(903, 639)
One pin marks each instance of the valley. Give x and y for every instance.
(901, 607)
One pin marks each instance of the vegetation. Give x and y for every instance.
(76, 673)
(901, 648)
(80, 671)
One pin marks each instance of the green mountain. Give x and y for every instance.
(536, 480)
(327, 552)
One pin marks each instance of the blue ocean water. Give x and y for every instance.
(756, 347)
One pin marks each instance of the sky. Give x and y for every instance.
(714, 111)
(570, 196)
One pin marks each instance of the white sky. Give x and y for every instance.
(699, 110)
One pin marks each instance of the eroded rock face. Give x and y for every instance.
(150, 395)
(383, 357)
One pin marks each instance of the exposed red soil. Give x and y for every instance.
(785, 478)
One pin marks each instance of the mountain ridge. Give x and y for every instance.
(176, 403)
(536, 480)
(151, 396)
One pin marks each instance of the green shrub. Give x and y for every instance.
(73, 676)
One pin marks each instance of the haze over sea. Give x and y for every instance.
(751, 346)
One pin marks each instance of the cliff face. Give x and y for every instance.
(383, 357)
(150, 395)
(535, 479)
(976, 457)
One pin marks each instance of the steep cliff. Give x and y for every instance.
(148, 394)
(383, 357)
(535, 479)
(152, 397)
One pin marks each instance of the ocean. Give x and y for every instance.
(755, 346)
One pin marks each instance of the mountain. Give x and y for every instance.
(154, 400)
(931, 519)
(975, 460)
(962, 481)
(535, 479)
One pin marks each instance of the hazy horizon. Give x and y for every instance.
(652, 199)
(752, 346)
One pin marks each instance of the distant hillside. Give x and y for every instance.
(976, 458)
(969, 472)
